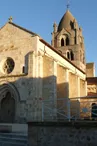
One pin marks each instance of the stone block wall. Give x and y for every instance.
(88, 108)
(48, 88)
(62, 91)
(90, 69)
(20, 45)
(71, 134)
(48, 78)
(37, 74)
(15, 43)
(61, 82)
(73, 85)
(82, 88)
(75, 109)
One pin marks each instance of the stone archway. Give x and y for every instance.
(7, 111)
(9, 98)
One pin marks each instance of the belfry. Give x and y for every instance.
(67, 38)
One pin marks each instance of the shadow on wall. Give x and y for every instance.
(21, 100)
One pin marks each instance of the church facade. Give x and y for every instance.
(32, 71)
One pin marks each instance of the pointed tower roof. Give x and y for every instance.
(67, 21)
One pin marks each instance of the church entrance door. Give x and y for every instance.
(7, 112)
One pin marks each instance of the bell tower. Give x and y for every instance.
(67, 38)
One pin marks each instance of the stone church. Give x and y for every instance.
(32, 71)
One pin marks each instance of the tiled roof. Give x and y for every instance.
(91, 80)
(66, 21)
(55, 50)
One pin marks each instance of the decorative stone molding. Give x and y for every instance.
(9, 86)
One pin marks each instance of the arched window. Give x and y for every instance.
(23, 69)
(72, 55)
(94, 110)
(72, 25)
(62, 42)
(67, 41)
(75, 40)
(68, 55)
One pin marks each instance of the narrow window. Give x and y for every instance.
(68, 55)
(72, 25)
(23, 69)
(72, 55)
(62, 42)
(67, 41)
(75, 40)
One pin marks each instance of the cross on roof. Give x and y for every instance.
(68, 4)
(10, 19)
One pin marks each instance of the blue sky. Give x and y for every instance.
(39, 15)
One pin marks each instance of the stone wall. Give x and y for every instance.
(90, 106)
(61, 82)
(82, 88)
(75, 109)
(15, 43)
(69, 134)
(90, 69)
(48, 78)
(62, 91)
(23, 86)
(73, 85)
(48, 88)
(34, 76)
(19, 45)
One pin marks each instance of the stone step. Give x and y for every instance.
(14, 139)
(11, 144)
(12, 135)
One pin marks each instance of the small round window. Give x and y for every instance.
(8, 65)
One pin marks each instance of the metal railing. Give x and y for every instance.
(69, 109)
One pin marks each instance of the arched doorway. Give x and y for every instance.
(94, 111)
(9, 98)
(7, 109)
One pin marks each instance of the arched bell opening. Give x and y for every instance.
(67, 41)
(62, 42)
